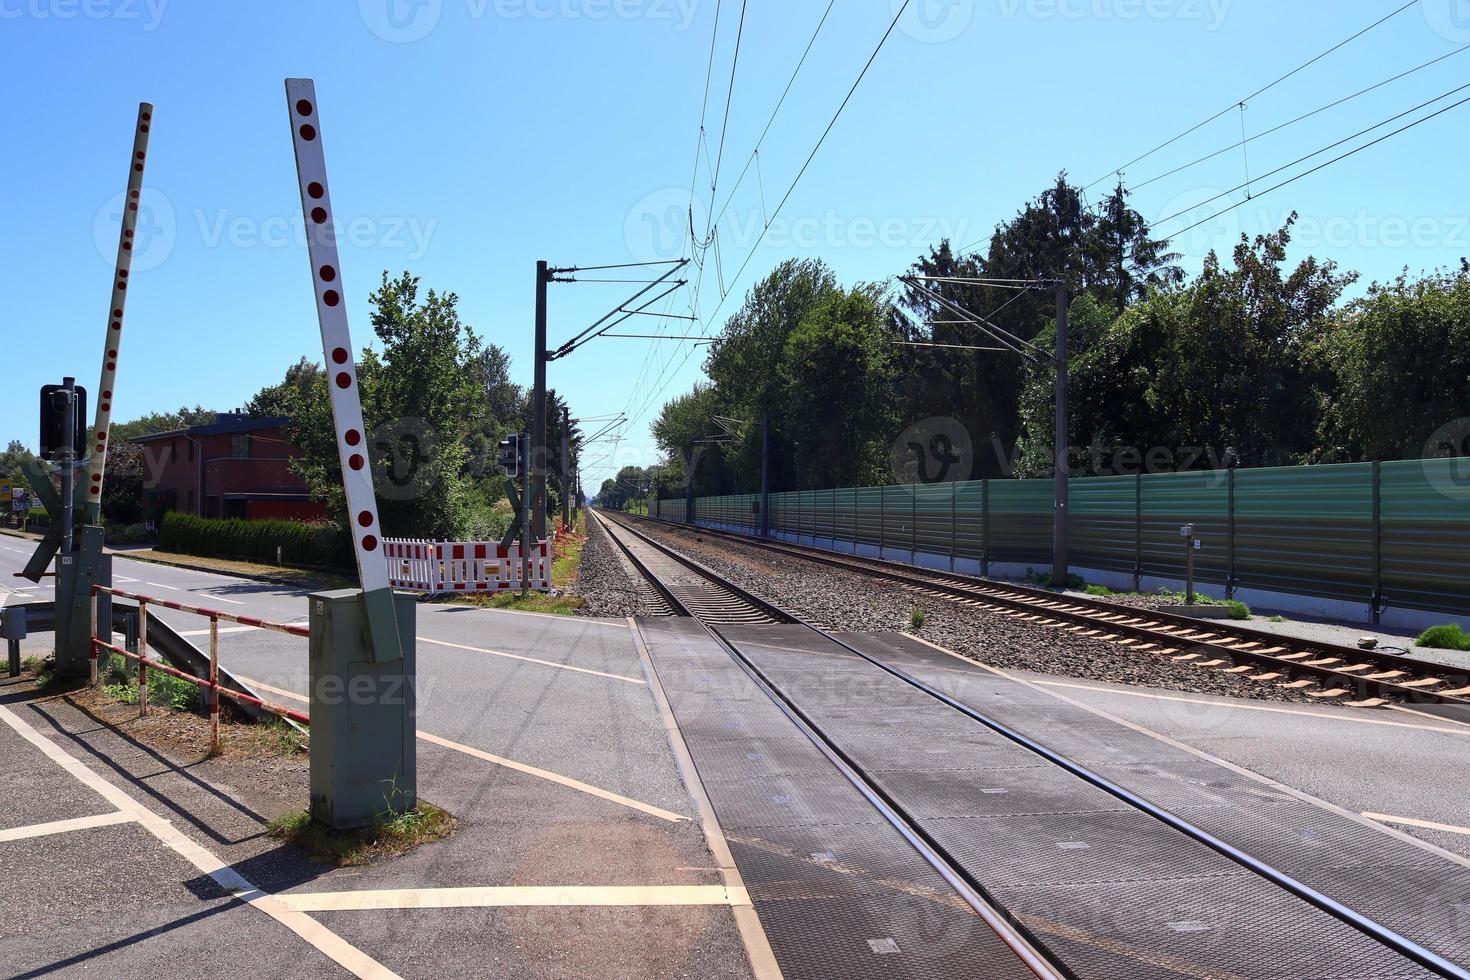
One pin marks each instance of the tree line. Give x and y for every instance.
(1251, 362)
(436, 400)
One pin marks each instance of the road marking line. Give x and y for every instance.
(62, 826)
(1251, 774)
(1321, 715)
(546, 774)
(515, 896)
(211, 595)
(584, 620)
(1411, 822)
(222, 630)
(752, 934)
(349, 957)
(124, 578)
(533, 660)
(160, 585)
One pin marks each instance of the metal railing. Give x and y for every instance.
(211, 685)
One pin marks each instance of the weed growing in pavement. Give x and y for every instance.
(164, 690)
(354, 848)
(1447, 637)
(916, 618)
(1277, 619)
(1099, 590)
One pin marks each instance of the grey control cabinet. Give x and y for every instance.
(363, 766)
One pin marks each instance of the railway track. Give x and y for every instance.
(1325, 671)
(655, 558)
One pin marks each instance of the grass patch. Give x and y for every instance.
(1446, 637)
(1099, 590)
(1238, 609)
(1045, 579)
(916, 618)
(1277, 619)
(397, 835)
(120, 683)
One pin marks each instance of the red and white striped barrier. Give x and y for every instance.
(439, 567)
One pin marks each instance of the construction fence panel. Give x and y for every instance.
(1172, 500)
(1425, 534)
(1307, 530)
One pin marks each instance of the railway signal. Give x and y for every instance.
(63, 407)
(510, 455)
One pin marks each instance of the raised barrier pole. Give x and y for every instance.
(357, 637)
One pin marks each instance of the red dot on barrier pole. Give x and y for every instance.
(369, 542)
(344, 380)
(355, 461)
(327, 273)
(308, 132)
(303, 107)
(339, 355)
(331, 298)
(318, 215)
(365, 518)
(353, 437)
(315, 190)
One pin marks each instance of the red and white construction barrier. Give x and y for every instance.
(464, 566)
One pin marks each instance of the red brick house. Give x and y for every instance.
(236, 466)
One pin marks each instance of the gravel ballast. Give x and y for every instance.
(836, 599)
(609, 582)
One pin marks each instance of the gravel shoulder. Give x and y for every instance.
(840, 600)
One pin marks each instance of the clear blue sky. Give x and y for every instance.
(467, 138)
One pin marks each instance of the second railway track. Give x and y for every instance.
(1325, 671)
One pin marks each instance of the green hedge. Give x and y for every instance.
(320, 544)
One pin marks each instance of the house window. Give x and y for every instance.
(191, 448)
(240, 446)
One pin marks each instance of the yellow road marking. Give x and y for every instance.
(546, 774)
(515, 896)
(62, 826)
(532, 660)
(349, 957)
(1411, 822)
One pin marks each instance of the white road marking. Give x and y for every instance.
(222, 630)
(554, 777)
(584, 620)
(1411, 822)
(124, 578)
(1319, 715)
(516, 896)
(211, 595)
(533, 660)
(346, 955)
(62, 826)
(160, 585)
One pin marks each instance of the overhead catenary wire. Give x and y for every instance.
(1325, 164)
(1260, 91)
(1319, 152)
(1291, 122)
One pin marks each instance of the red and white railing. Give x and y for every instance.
(440, 567)
(212, 687)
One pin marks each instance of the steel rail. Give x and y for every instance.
(1013, 933)
(1152, 626)
(1382, 934)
